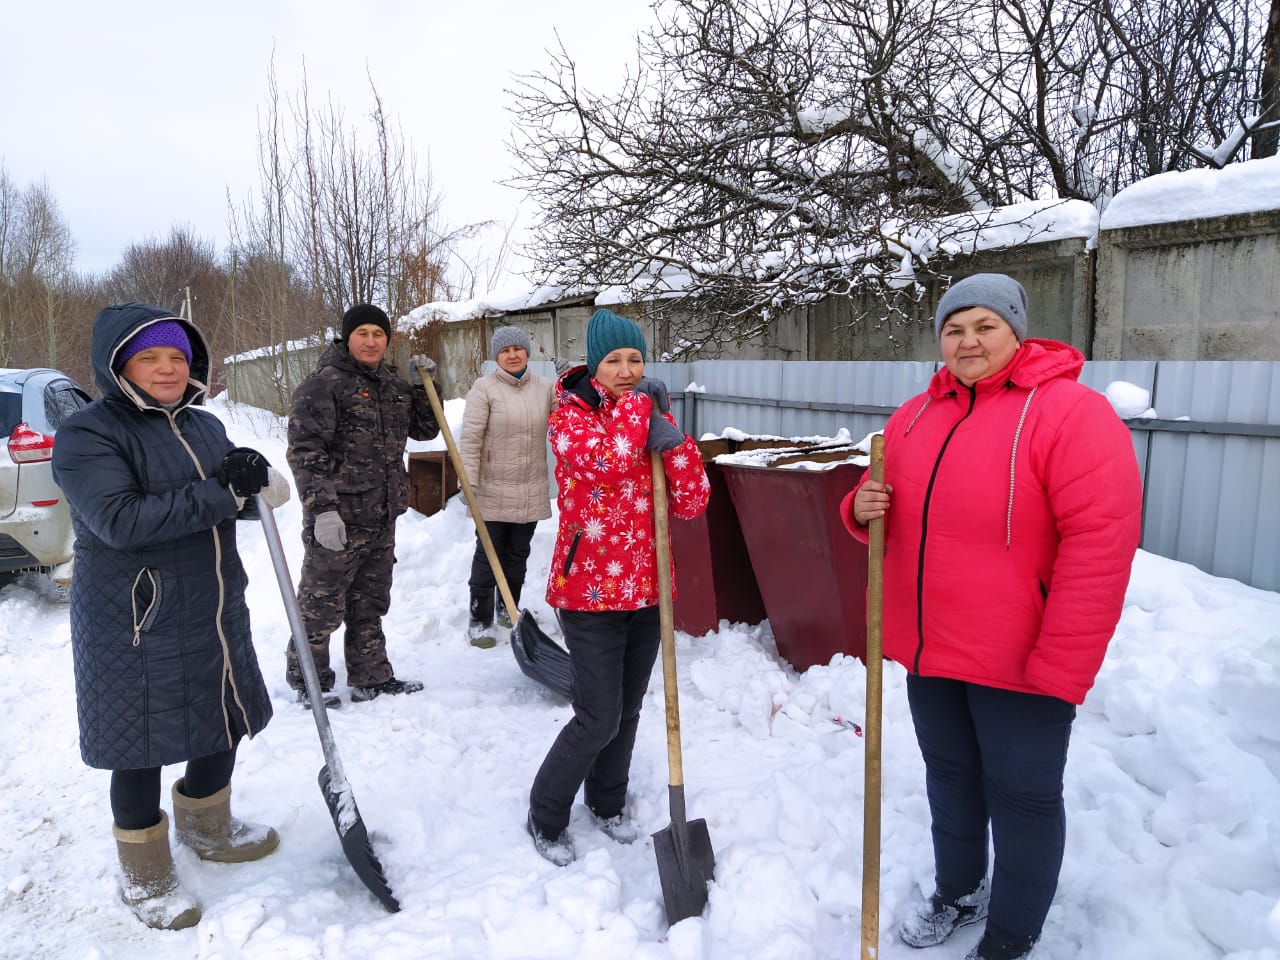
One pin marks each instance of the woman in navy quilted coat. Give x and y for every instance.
(165, 668)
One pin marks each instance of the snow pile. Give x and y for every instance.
(1172, 791)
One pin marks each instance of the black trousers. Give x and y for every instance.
(511, 543)
(135, 794)
(611, 656)
(995, 757)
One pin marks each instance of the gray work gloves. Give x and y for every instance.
(662, 435)
(421, 361)
(276, 492)
(330, 531)
(563, 365)
(656, 391)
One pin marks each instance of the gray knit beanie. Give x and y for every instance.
(505, 337)
(999, 293)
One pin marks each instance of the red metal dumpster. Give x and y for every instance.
(714, 579)
(811, 573)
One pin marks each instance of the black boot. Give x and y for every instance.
(480, 628)
(504, 616)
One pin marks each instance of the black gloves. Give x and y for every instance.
(244, 471)
(656, 391)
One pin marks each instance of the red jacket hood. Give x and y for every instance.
(1034, 363)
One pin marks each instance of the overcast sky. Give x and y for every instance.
(142, 115)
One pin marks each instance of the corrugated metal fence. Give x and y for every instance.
(1210, 462)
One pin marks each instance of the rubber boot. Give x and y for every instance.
(480, 628)
(207, 827)
(504, 616)
(148, 882)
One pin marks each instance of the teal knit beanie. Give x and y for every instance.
(607, 332)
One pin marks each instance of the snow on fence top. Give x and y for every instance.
(1247, 187)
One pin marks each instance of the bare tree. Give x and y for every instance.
(763, 153)
(354, 219)
(337, 219)
(36, 258)
(1266, 137)
(745, 156)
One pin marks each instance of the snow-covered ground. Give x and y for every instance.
(1173, 791)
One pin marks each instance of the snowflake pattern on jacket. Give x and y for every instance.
(605, 555)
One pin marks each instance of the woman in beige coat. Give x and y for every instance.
(504, 452)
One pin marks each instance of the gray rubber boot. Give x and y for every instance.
(148, 882)
(207, 827)
(480, 627)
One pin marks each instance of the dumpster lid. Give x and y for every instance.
(807, 453)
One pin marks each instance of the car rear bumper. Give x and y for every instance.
(40, 542)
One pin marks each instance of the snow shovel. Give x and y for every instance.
(540, 658)
(871, 759)
(686, 861)
(333, 782)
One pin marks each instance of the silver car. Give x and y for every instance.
(35, 522)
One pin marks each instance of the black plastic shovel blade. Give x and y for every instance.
(686, 864)
(541, 658)
(355, 841)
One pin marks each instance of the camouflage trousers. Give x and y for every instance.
(352, 586)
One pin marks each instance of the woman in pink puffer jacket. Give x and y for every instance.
(1013, 505)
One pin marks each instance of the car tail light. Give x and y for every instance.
(29, 446)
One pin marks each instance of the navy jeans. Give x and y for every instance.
(995, 757)
(611, 655)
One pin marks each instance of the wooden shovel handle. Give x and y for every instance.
(666, 616)
(871, 759)
(481, 530)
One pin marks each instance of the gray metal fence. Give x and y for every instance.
(1210, 462)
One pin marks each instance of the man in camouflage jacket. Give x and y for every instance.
(347, 433)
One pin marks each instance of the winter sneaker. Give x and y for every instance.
(934, 919)
(362, 694)
(620, 829)
(989, 948)
(330, 702)
(558, 851)
(481, 635)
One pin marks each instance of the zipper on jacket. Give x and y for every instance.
(924, 530)
(573, 548)
(144, 620)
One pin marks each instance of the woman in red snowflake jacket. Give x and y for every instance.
(603, 578)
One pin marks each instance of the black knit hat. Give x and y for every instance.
(361, 314)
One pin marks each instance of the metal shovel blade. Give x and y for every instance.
(333, 782)
(686, 862)
(539, 657)
(355, 841)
